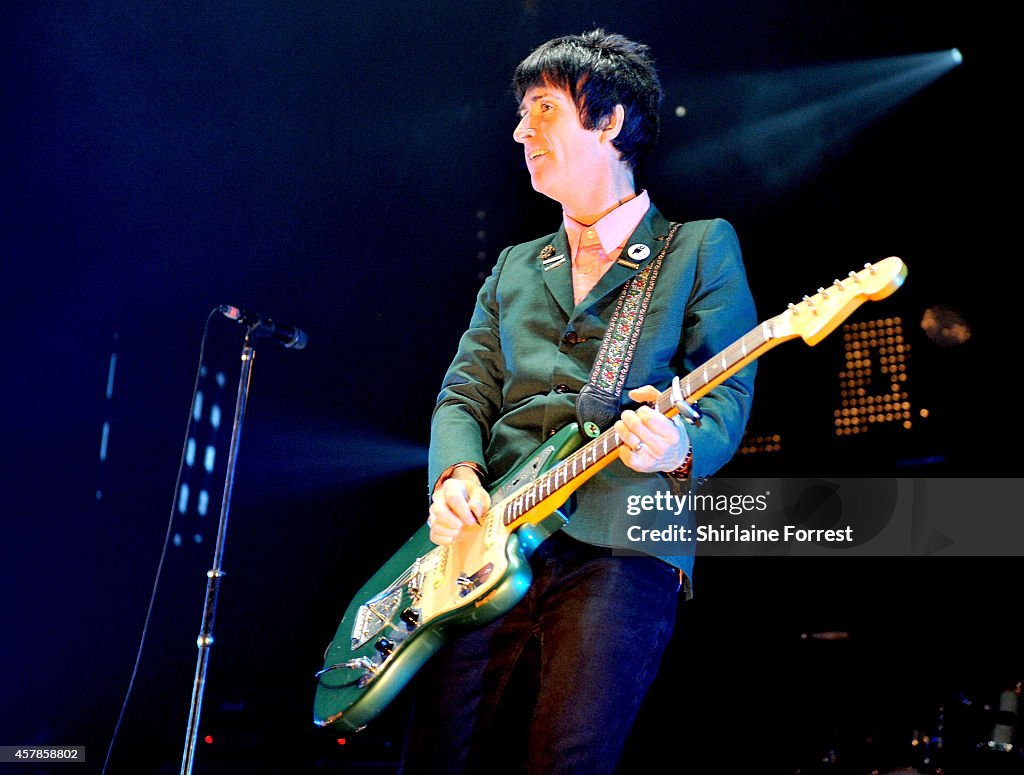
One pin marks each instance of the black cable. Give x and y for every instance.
(167, 540)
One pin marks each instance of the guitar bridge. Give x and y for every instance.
(374, 615)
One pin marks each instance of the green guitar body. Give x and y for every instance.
(426, 595)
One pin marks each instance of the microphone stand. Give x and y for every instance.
(213, 576)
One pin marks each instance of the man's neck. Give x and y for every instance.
(595, 203)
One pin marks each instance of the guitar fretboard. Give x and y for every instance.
(566, 474)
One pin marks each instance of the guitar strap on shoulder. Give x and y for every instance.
(598, 401)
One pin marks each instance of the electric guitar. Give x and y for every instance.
(425, 594)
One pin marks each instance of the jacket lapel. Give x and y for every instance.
(650, 233)
(558, 273)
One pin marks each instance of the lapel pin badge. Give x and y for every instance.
(551, 263)
(638, 251)
(549, 259)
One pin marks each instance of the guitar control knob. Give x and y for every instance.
(385, 646)
(411, 617)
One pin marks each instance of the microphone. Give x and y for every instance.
(289, 336)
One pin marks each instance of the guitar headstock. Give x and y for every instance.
(815, 317)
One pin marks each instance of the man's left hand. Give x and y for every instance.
(651, 441)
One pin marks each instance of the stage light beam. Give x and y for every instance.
(314, 454)
(782, 126)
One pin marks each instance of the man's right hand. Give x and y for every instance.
(460, 500)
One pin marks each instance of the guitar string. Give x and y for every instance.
(750, 346)
(533, 492)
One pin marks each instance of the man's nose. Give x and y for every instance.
(523, 130)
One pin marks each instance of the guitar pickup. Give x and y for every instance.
(468, 583)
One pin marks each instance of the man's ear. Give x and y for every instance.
(613, 123)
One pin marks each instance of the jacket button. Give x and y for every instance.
(571, 338)
(561, 388)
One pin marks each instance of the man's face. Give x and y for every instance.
(561, 155)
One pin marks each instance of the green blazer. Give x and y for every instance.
(516, 375)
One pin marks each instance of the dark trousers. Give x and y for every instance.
(554, 685)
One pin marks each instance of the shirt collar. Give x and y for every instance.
(614, 228)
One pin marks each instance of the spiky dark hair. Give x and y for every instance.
(600, 70)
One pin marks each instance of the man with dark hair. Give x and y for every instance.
(615, 303)
(600, 71)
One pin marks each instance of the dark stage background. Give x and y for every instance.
(349, 169)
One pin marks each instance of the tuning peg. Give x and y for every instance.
(824, 295)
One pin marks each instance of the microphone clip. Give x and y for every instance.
(258, 326)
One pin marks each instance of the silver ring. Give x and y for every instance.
(640, 445)
(430, 521)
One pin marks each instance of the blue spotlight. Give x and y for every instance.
(309, 454)
(781, 127)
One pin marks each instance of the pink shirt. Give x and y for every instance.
(596, 247)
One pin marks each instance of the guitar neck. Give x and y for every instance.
(813, 319)
(539, 498)
(716, 370)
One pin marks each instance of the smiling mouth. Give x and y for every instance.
(536, 154)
